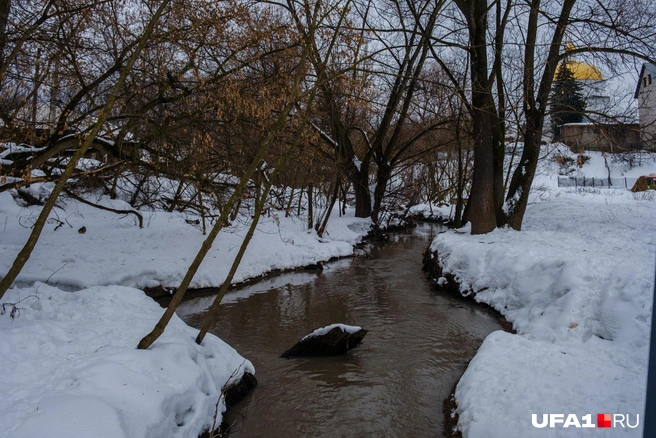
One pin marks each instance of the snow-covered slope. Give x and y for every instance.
(577, 284)
(115, 251)
(70, 369)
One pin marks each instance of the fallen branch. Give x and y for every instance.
(26, 182)
(101, 207)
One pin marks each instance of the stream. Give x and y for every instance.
(391, 385)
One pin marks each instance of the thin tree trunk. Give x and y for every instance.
(35, 98)
(289, 203)
(201, 208)
(54, 95)
(535, 107)
(259, 207)
(176, 196)
(5, 7)
(157, 331)
(457, 219)
(135, 195)
(324, 224)
(310, 219)
(382, 177)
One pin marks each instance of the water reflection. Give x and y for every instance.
(393, 384)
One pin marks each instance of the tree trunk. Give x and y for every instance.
(362, 200)
(360, 181)
(522, 180)
(535, 108)
(157, 331)
(5, 7)
(211, 313)
(35, 98)
(382, 178)
(460, 188)
(482, 201)
(331, 205)
(310, 218)
(289, 203)
(482, 213)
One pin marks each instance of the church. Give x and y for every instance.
(592, 84)
(595, 131)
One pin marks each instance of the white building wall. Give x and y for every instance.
(647, 106)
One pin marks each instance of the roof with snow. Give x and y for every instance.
(651, 69)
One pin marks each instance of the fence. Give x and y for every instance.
(609, 183)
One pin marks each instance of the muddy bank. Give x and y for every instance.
(232, 395)
(445, 282)
(163, 294)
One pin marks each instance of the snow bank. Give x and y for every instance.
(577, 286)
(114, 250)
(70, 368)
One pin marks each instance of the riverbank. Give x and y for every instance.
(113, 250)
(577, 286)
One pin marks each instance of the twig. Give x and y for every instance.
(62, 267)
(100, 207)
(15, 310)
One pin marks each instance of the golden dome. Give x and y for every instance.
(582, 71)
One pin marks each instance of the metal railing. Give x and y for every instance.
(609, 183)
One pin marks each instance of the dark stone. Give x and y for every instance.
(314, 266)
(237, 391)
(232, 394)
(333, 343)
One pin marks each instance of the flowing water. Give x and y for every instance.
(391, 385)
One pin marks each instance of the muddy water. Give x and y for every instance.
(392, 385)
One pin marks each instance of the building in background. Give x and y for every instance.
(599, 130)
(592, 83)
(646, 95)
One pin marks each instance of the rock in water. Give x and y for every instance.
(331, 340)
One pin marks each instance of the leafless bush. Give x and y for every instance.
(649, 196)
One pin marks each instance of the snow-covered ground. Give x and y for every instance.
(577, 285)
(115, 251)
(70, 368)
(68, 360)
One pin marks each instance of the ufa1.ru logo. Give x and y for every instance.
(604, 421)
